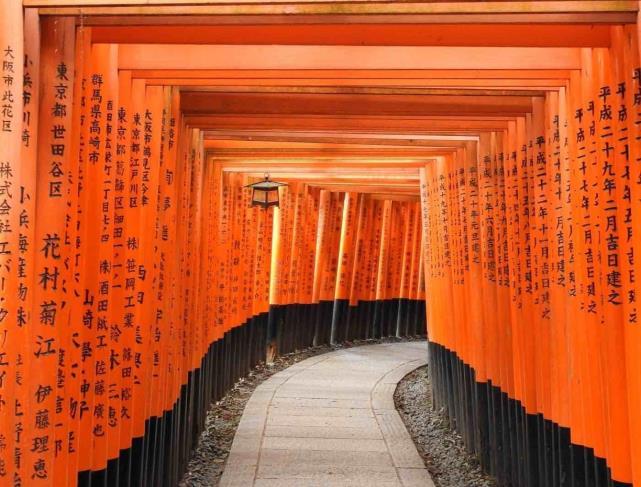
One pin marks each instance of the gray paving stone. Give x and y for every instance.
(372, 473)
(238, 476)
(309, 362)
(238, 458)
(415, 477)
(324, 421)
(327, 481)
(250, 429)
(314, 393)
(365, 433)
(321, 402)
(331, 444)
(324, 457)
(321, 412)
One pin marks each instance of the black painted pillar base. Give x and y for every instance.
(273, 333)
(339, 321)
(161, 455)
(519, 448)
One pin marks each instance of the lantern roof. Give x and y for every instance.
(266, 184)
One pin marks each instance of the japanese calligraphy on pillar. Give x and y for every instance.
(49, 436)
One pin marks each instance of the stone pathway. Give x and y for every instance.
(330, 420)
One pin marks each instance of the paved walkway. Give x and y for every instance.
(330, 421)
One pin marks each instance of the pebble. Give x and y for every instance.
(442, 449)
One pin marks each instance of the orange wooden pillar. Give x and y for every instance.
(406, 265)
(26, 247)
(421, 298)
(329, 252)
(49, 335)
(455, 237)
(629, 43)
(392, 284)
(319, 261)
(344, 267)
(579, 398)
(148, 255)
(282, 263)
(523, 226)
(612, 216)
(516, 220)
(292, 323)
(416, 293)
(126, 228)
(488, 223)
(590, 431)
(309, 308)
(275, 274)
(593, 301)
(364, 264)
(263, 263)
(539, 224)
(163, 273)
(382, 257)
(353, 329)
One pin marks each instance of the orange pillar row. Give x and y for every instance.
(344, 265)
(353, 275)
(529, 249)
(110, 353)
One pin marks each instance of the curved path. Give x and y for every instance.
(330, 421)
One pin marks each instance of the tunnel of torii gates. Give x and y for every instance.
(469, 171)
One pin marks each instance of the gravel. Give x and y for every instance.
(442, 449)
(208, 460)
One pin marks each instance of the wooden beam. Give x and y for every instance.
(93, 16)
(518, 86)
(346, 124)
(394, 197)
(537, 6)
(164, 56)
(305, 134)
(400, 154)
(344, 140)
(415, 75)
(392, 180)
(337, 171)
(366, 188)
(280, 145)
(347, 163)
(336, 105)
(497, 35)
(365, 90)
(490, 10)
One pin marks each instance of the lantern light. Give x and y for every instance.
(265, 192)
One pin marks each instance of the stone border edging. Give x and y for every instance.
(409, 465)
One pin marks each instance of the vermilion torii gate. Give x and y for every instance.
(482, 158)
